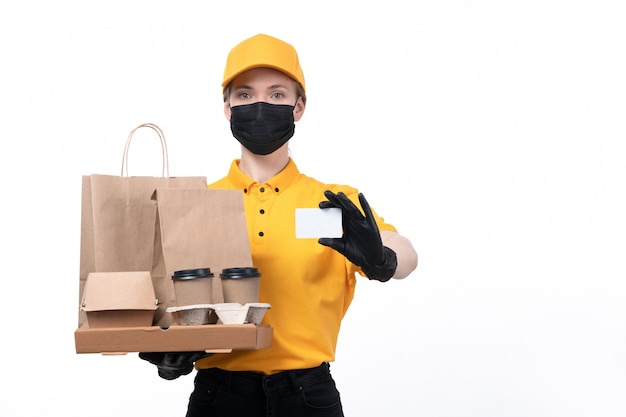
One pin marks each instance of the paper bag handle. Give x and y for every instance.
(165, 172)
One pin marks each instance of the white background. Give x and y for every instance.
(491, 133)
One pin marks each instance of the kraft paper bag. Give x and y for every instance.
(118, 218)
(197, 229)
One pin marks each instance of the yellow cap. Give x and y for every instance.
(263, 51)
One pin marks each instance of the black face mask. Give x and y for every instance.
(262, 127)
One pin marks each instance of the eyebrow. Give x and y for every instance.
(279, 86)
(271, 87)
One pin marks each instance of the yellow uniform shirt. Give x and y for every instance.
(308, 285)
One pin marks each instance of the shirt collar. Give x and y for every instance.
(278, 183)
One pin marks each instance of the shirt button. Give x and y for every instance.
(276, 189)
(262, 190)
(261, 234)
(262, 211)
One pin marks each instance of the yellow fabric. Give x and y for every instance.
(263, 51)
(309, 286)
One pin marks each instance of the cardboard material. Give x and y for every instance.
(211, 338)
(118, 217)
(193, 314)
(118, 223)
(159, 225)
(119, 299)
(193, 286)
(193, 291)
(196, 229)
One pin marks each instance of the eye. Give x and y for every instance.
(243, 95)
(278, 95)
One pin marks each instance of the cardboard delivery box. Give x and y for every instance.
(216, 338)
(119, 299)
(120, 308)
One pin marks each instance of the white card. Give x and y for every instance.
(316, 222)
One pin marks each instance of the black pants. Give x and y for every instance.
(299, 393)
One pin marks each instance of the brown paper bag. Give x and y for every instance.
(118, 218)
(197, 229)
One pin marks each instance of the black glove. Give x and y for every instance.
(171, 365)
(361, 242)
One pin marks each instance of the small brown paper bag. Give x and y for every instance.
(118, 218)
(197, 229)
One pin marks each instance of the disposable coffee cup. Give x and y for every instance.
(193, 286)
(241, 285)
